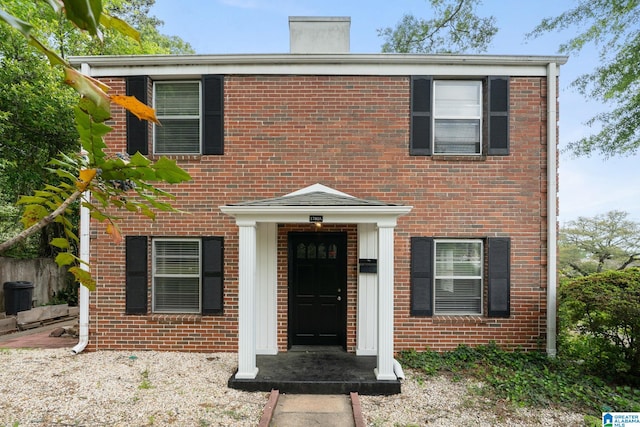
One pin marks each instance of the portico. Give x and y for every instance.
(257, 303)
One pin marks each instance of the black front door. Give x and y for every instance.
(317, 288)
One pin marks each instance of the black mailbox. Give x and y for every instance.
(368, 265)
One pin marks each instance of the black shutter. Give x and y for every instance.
(421, 276)
(499, 253)
(136, 275)
(213, 114)
(498, 116)
(212, 267)
(420, 137)
(137, 130)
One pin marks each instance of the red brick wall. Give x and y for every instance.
(283, 133)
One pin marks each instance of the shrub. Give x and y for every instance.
(600, 317)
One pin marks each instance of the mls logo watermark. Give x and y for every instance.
(621, 419)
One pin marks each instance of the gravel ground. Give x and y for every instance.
(56, 388)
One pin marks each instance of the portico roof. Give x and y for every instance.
(317, 199)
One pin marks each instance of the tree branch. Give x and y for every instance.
(40, 224)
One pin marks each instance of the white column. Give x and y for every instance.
(384, 370)
(247, 368)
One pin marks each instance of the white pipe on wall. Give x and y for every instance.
(552, 188)
(85, 241)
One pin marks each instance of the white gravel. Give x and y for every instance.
(108, 388)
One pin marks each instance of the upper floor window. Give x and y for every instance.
(177, 106)
(451, 117)
(457, 117)
(191, 113)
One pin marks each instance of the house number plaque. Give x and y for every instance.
(315, 218)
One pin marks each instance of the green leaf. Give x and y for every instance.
(65, 258)
(26, 200)
(167, 170)
(84, 13)
(84, 277)
(59, 242)
(139, 160)
(20, 25)
(119, 25)
(88, 87)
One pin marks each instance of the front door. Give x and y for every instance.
(317, 288)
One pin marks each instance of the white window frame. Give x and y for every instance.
(160, 117)
(437, 274)
(155, 274)
(466, 117)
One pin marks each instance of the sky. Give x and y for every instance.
(588, 186)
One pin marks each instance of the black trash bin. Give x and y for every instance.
(17, 296)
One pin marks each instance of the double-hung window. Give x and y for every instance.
(448, 277)
(457, 117)
(468, 117)
(178, 108)
(458, 276)
(176, 275)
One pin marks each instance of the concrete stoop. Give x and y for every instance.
(289, 410)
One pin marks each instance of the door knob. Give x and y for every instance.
(339, 298)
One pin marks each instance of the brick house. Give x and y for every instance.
(376, 202)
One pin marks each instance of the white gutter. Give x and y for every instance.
(552, 187)
(85, 219)
(84, 292)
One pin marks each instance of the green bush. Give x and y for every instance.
(600, 323)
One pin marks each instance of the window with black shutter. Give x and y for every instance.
(191, 113)
(447, 276)
(187, 275)
(447, 116)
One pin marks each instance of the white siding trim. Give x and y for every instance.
(367, 317)
(266, 289)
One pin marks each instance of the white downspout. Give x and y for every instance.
(85, 219)
(84, 292)
(552, 187)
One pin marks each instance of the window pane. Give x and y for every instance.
(458, 271)
(177, 294)
(178, 136)
(176, 281)
(457, 136)
(177, 99)
(461, 298)
(457, 99)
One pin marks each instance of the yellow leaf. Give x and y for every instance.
(140, 110)
(86, 175)
(113, 230)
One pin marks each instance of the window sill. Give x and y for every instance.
(175, 319)
(458, 158)
(460, 319)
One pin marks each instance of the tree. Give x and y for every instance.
(36, 112)
(604, 242)
(612, 26)
(117, 181)
(455, 28)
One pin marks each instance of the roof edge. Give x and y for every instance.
(294, 59)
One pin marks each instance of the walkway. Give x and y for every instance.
(39, 338)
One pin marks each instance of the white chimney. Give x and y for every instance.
(319, 34)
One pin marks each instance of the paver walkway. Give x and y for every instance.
(38, 338)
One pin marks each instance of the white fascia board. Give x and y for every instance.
(184, 66)
(331, 214)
